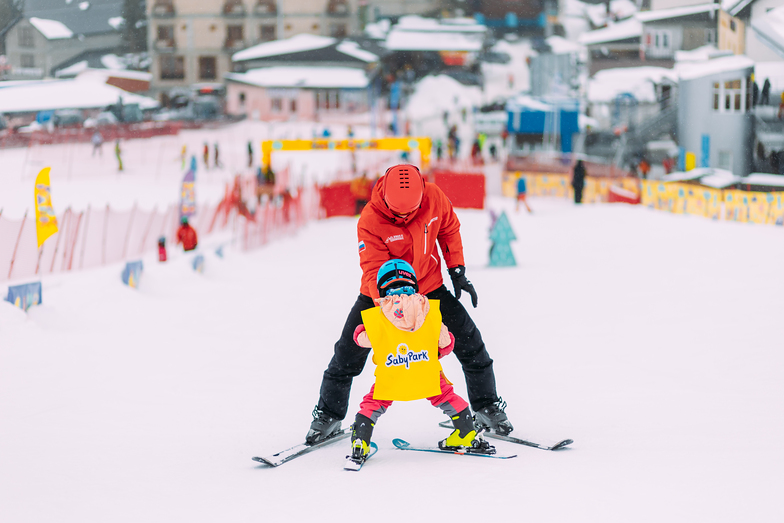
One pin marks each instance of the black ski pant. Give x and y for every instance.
(349, 358)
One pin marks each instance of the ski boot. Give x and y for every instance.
(361, 431)
(494, 418)
(465, 437)
(322, 428)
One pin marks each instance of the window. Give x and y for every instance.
(26, 37)
(710, 36)
(268, 32)
(732, 96)
(659, 43)
(242, 99)
(277, 105)
(293, 106)
(725, 160)
(207, 68)
(234, 33)
(27, 60)
(165, 33)
(338, 30)
(328, 100)
(172, 67)
(268, 7)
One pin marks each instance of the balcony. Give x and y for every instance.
(337, 8)
(232, 46)
(163, 9)
(265, 8)
(165, 46)
(234, 8)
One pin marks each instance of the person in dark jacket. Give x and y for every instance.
(186, 235)
(578, 181)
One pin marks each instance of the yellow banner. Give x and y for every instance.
(45, 219)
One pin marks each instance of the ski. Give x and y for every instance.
(356, 465)
(405, 445)
(511, 439)
(296, 451)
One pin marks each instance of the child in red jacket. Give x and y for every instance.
(186, 235)
(403, 330)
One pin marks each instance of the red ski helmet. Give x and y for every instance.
(403, 189)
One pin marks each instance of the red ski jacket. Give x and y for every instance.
(384, 236)
(186, 235)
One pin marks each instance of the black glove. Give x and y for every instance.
(460, 283)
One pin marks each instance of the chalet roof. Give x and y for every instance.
(313, 77)
(311, 48)
(628, 29)
(675, 12)
(770, 29)
(81, 17)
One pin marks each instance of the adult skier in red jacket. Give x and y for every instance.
(405, 218)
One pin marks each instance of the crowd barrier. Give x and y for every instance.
(716, 204)
(559, 185)
(110, 133)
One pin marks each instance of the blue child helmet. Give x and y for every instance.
(396, 275)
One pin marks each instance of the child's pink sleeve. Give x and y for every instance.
(361, 337)
(446, 342)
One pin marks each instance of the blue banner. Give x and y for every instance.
(25, 296)
(132, 273)
(705, 156)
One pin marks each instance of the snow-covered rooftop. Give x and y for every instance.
(705, 52)
(734, 7)
(449, 25)
(720, 179)
(560, 45)
(773, 180)
(640, 82)
(303, 76)
(67, 94)
(619, 10)
(692, 70)
(770, 29)
(428, 40)
(353, 49)
(51, 29)
(675, 12)
(624, 30)
(295, 44)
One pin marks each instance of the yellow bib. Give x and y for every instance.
(407, 366)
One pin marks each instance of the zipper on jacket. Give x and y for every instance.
(426, 227)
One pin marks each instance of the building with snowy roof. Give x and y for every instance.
(51, 32)
(542, 123)
(307, 93)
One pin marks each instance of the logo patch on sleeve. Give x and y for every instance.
(361, 246)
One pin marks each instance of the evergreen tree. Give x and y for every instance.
(134, 28)
(10, 11)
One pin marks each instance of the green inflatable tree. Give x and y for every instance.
(501, 235)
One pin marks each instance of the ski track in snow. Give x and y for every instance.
(652, 340)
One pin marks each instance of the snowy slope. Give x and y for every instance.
(653, 340)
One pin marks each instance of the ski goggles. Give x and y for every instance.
(408, 290)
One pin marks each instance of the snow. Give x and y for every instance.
(560, 45)
(690, 71)
(116, 22)
(675, 12)
(720, 179)
(638, 81)
(51, 29)
(619, 9)
(303, 76)
(624, 30)
(773, 180)
(398, 40)
(353, 49)
(295, 44)
(418, 23)
(163, 394)
(770, 29)
(378, 30)
(67, 94)
(700, 54)
(72, 70)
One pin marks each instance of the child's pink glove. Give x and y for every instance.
(361, 337)
(446, 351)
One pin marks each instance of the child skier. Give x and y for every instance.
(405, 331)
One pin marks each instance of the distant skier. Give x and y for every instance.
(97, 141)
(183, 156)
(186, 235)
(217, 157)
(522, 193)
(206, 155)
(118, 154)
(250, 153)
(405, 318)
(405, 218)
(578, 181)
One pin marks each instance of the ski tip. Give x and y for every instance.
(562, 444)
(264, 462)
(400, 443)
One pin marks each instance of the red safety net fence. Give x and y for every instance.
(102, 236)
